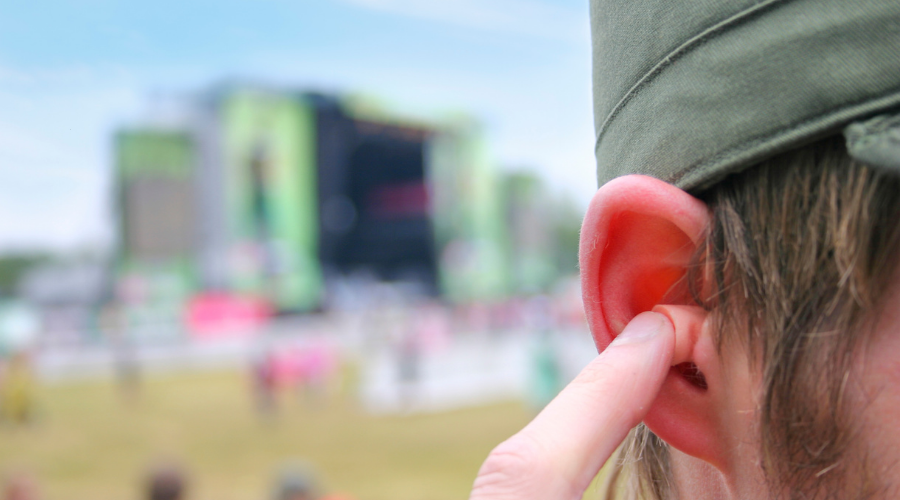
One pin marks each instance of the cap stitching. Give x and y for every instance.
(691, 44)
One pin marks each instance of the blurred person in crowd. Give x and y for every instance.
(17, 389)
(127, 368)
(166, 482)
(20, 486)
(409, 359)
(4, 361)
(546, 372)
(264, 382)
(740, 262)
(295, 482)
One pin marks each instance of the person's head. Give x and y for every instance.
(166, 482)
(20, 486)
(771, 246)
(295, 482)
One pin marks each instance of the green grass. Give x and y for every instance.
(88, 444)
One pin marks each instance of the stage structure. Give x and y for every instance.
(267, 195)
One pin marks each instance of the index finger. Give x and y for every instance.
(579, 430)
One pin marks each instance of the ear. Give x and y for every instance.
(637, 241)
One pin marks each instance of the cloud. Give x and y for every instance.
(523, 17)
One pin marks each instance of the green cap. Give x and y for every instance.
(690, 91)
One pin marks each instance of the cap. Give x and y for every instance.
(690, 91)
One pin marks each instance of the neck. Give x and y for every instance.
(695, 479)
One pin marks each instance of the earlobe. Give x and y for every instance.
(639, 238)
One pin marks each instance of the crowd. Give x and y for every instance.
(170, 481)
(312, 368)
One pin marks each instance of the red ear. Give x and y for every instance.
(637, 241)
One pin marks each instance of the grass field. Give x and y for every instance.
(88, 444)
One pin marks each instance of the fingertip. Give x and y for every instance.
(654, 336)
(685, 322)
(643, 327)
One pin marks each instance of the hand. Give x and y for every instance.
(557, 455)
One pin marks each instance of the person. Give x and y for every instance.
(126, 365)
(295, 482)
(20, 486)
(166, 482)
(546, 369)
(264, 382)
(739, 262)
(17, 390)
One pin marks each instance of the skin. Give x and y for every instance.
(877, 395)
(562, 449)
(637, 239)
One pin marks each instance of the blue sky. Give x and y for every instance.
(71, 72)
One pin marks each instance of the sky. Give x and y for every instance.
(72, 72)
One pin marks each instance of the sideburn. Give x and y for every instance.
(803, 247)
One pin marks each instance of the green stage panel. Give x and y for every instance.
(469, 225)
(154, 171)
(270, 173)
(529, 216)
(154, 152)
(155, 268)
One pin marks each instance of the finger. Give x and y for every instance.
(558, 454)
(585, 424)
